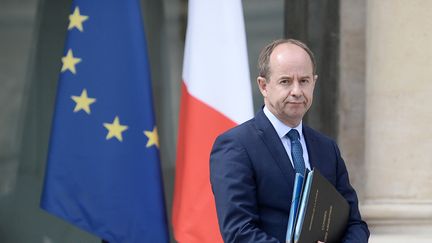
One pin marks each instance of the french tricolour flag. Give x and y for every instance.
(215, 96)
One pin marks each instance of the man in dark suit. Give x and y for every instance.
(252, 166)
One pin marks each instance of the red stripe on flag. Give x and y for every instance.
(194, 211)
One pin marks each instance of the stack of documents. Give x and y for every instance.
(318, 212)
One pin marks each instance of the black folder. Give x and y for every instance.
(323, 212)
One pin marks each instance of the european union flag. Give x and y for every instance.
(103, 171)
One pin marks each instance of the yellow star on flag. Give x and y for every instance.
(115, 129)
(69, 62)
(76, 20)
(153, 138)
(83, 102)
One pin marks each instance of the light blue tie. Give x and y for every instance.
(296, 151)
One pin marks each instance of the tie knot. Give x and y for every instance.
(293, 135)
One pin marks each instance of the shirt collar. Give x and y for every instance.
(280, 127)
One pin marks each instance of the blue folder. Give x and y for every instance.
(302, 207)
(298, 184)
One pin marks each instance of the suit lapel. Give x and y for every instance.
(273, 143)
(312, 146)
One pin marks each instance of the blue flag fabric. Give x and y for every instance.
(103, 172)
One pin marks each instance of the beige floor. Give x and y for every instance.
(400, 238)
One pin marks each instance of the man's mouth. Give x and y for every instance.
(295, 103)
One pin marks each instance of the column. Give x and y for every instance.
(398, 122)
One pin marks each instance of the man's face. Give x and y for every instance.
(288, 91)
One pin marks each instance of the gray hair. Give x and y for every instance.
(264, 57)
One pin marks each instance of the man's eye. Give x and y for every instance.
(284, 81)
(304, 81)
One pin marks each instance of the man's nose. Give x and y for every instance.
(296, 89)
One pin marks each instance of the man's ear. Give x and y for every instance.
(315, 78)
(262, 85)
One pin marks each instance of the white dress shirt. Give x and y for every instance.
(282, 130)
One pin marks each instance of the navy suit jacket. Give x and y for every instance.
(252, 180)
